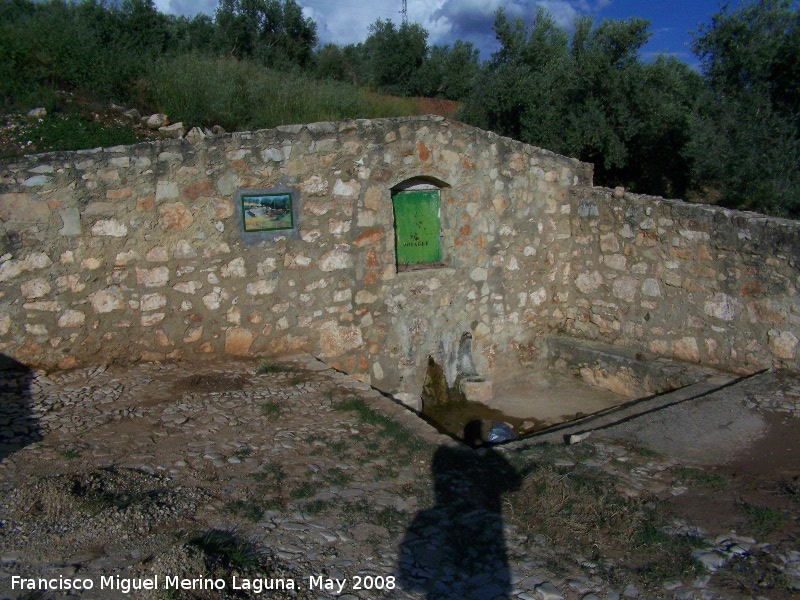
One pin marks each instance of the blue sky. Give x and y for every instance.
(347, 21)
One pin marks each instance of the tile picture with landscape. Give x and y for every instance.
(267, 212)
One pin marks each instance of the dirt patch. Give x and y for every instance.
(210, 382)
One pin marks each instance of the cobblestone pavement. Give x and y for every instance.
(107, 471)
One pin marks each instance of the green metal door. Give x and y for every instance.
(416, 223)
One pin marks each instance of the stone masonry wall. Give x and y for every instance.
(134, 253)
(690, 281)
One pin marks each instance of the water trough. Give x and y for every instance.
(579, 386)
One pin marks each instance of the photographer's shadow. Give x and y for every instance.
(18, 425)
(456, 549)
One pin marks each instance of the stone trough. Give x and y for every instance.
(580, 385)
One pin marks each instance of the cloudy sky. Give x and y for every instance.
(347, 21)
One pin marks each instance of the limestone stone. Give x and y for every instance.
(234, 268)
(651, 287)
(123, 258)
(338, 227)
(22, 208)
(154, 277)
(71, 219)
(336, 259)
(110, 227)
(72, 318)
(151, 319)
(167, 190)
(722, 307)
(686, 349)
(5, 323)
(187, 287)
(214, 299)
(157, 121)
(479, 274)
(262, 287)
(589, 282)
(174, 131)
(335, 340)
(91, 264)
(220, 208)
(35, 288)
(347, 189)
(365, 297)
(157, 254)
(783, 344)
(184, 250)
(107, 300)
(47, 306)
(151, 302)
(616, 261)
(625, 288)
(538, 297)
(315, 186)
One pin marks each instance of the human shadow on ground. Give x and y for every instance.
(18, 425)
(456, 548)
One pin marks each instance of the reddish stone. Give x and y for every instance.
(752, 289)
(370, 278)
(368, 237)
(221, 208)
(467, 163)
(174, 215)
(146, 203)
(119, 194)
(372, 258)
(464, 230)
(381, 175)
(423, 152)
(195, 191)
(363, 365)
(238, 341)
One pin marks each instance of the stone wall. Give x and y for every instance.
(135, 253)
(690, 281)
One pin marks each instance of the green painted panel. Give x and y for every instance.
(416, 222)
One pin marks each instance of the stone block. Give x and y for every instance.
(477, 390)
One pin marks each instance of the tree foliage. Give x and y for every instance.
(587, 94)
(746, 129)
(274, 32)
(653, 126)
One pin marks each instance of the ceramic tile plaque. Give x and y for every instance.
(266, 213)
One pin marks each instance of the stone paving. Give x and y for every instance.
(300, 460)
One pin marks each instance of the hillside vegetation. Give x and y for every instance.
(730, 132)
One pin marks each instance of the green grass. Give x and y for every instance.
(763, 519)
(243, 95)
(225, 547)
(272, 409)
(697, 477)
(249, 510)
(336, 476)
(72, 132)
(389, 427)
(275, 367)
(305, 490)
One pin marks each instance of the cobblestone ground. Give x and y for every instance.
(296, 476)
